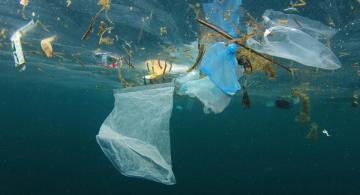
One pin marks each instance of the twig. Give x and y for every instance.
(91, 26)
(228, 36)
(199, 58)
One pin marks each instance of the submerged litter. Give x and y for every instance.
(232, 47)
(16, 45)
(314, 28)
(325, 132)
(141, 148)
(210, 95)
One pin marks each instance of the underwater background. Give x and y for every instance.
(49, 116)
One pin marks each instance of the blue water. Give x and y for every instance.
(49, 120)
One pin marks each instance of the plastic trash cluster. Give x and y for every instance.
(142, 148)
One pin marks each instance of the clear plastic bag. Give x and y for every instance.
(224, 14)
(314, 28)
(294, 44)
(212, 97)
(135, 136)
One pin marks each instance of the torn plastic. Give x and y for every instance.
(16, 45)
(314, 28)
(296, 45)
(219, 61)
(135, 136)
(213, 99)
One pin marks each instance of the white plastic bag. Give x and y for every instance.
(135, 136)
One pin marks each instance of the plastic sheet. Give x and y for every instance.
(212, 97)
(224, 14)
(294, 44)
(135, 136)
(221, 66)
(314, 28)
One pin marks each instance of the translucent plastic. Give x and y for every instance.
(135, 136)
(212, 97)
(224, 14)
(314, 28)
(220, 64)
(294, 44)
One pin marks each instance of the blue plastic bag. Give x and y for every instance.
(220, 64)
(219, 61)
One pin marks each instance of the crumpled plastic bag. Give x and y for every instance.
(314, 28)
(296, 45)
(212, 97)
(220, 64)
(219, 61)
(135, 136)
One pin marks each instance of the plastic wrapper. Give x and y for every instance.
(220, 64)
(135, 136)
(314, 28)
(294, 44)
(212, 97)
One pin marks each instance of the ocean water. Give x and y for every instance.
(51, 113)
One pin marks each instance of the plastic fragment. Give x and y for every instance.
(68, 3)
(16, 45)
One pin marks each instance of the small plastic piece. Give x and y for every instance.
(135, 136)
(16, 45)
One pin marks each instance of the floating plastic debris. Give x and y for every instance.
(325, 132)
(16, 45)
(296, 45)
(68, 3)
(203, 89)
(314, 28)
(140, 149)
